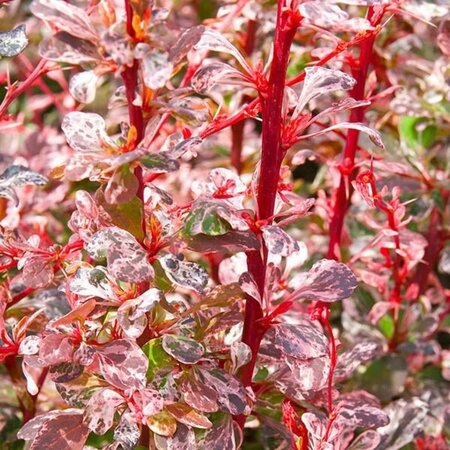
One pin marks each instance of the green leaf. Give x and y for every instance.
(415, 133)
(387, 326)
(127, 216)
(436, 195)
(205, 220)
(158, 359)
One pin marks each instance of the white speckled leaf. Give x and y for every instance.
(186, 274)
(123, 364)
(300, 341)
(86, 132)
(82, 86)
(13, 42)
(183, 349)
(327, 281)
(126, 259)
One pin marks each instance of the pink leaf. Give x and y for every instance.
(300, 341)
(327, 281)
(123, 364)
(56, 430)
(86, 132)
(127, 260)
(65, 17)
(100, 410)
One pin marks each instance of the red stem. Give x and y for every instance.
(344, 191)
(271, 158)
(130, 80)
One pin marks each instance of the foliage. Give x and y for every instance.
(223, 224)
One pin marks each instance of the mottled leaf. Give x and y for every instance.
(406, 422)
(183, 349)
(82, 86)
(301, 341)
(185, 43)
(132, 314)
(66, 48)
(231, 395)
(85, 132)
(278, 242)
(65, 17)
(368, 440)
(183, 439)
(327, 281)
(215, 41)
(127, 260)
(13, 42)
(157, 68)
(91, 282)
(127, 433)
(188, 416)
(123, 364)
(100, 410)
(319, 81)
(186, 274)
(207, 76)
(65, 429)
(225, 435)
(200, 396)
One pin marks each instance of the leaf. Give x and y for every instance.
(184, 350)
(358, 354)
(319, 81)
(185, 274)
(185, 43)
(278, 242)
(13, 42)
(122, 186)
(85, 132)
(18, 176)
(327, 281)
(127, 433)
(368, 440)
(92, 282)
(231, 242)
(132, 314)
(416, 133)
(65, 17)
(212, 219)
(56, 430)
(240, 354)
(66, 48)
(224, 435)
(160, 162)
(199, 395)
(156, 67)
(207, 76)
(359, 409)
(213, 40)
(374, 135)
(83, 86)
(188, 416)
(56, 349)
(127, 216)
(300, 341)
(159, 360)
(162, 424)
(231, 395)
(407, 420)
(203, 220)
(183, 439)
(100, 410)
(127, 260)
(123, 364)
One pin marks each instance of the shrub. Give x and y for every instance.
(223, 225)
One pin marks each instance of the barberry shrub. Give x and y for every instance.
(223, 224)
